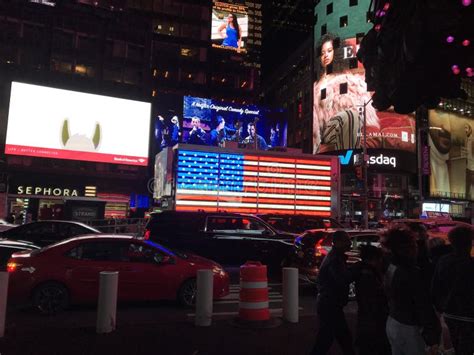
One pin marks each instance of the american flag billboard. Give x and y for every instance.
(252, 183)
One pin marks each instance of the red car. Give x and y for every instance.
(68, 272)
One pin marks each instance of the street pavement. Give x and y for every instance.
(166, 328)
(162, 328)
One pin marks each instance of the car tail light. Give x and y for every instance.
(12, 266)
(318, 249)
(146, 236)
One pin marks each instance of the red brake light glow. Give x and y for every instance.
(146, 236)
(12, 267)
(318, 249)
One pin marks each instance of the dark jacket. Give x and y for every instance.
(333, 280)
(197, 136)
(372, 307)
(409, 301)
(453, 285)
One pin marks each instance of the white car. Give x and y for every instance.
(5, 226)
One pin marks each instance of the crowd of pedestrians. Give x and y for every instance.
(404, 291)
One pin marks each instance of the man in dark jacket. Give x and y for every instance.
(333, 286)
(372, 307)
(412, 324)
(453, 290)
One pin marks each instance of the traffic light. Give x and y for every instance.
(359, 172)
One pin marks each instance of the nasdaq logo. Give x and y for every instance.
(346, 159)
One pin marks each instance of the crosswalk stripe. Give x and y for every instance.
(237, 301)
(272, 310)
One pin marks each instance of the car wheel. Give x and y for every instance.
(51, 298)
(187, 293)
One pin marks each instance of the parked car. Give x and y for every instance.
(8, 247)
(311, 247)
(299, 223)
(43, 233)
(228, 238)
(67, 273)
(4, 225)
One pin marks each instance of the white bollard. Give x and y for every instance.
(290, 295)
(107, 305)
(204, 297)
(3, 301)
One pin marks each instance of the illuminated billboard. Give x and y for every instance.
(230, 23)
(339, 96)
(53, 123)
(253, 183)
(451, 143)
(216, 123)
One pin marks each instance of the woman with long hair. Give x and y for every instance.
(337, 125)
(232, 35)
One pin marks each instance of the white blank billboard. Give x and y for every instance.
(63, 124)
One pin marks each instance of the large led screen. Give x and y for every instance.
(230, 23)
(339, 96)
(252, 183)
(216, 123)
(451, 143)
(54, 123)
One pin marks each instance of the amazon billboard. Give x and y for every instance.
(62, 124)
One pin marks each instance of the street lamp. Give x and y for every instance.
(363, 111)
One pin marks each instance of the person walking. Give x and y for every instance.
(333, 286)
(372, 307)
(412, 324)
(453, 290)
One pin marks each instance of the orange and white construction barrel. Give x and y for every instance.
(253, 303)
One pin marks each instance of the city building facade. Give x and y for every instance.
(149, 51)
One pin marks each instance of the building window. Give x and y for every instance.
(329, 9)
(343, 21)
(324, 30)
(84, 70)
(353, 2)
(189, 52)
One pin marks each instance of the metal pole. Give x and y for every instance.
(107, 305)
(3, 301)
(420, 168)
(290, 294)
(204, 297)
(364, 171)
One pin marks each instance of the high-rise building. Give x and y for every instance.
(155, 51)
(287, 24)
